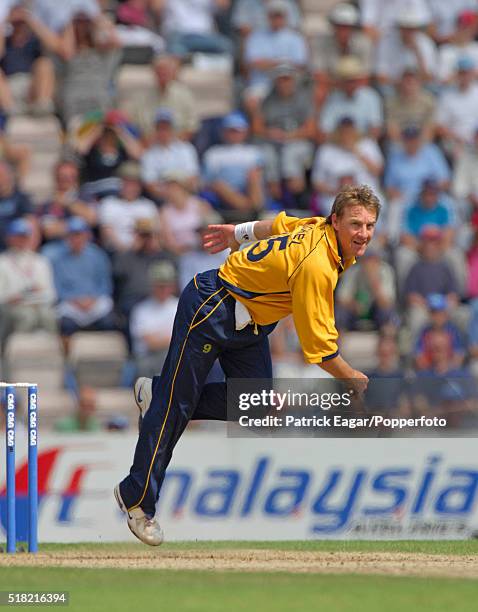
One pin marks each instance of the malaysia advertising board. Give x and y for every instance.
(220, 488)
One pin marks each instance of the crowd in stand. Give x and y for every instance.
(386, 94)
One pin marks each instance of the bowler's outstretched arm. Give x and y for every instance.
(220, 237)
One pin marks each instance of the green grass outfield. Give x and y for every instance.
(431, 547)
(213, 591)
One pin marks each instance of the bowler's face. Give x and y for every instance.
(355, 228)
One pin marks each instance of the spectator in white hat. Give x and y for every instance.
(166, 154)
(379, 17)
(118, 214)
(457, 108)
(285, 124)
(168, 93)
(462, 45)
(344, 37)
(406, 45)
(152, 320)
(411, 104)
(352, 97)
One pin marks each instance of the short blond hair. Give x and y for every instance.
(353, 195)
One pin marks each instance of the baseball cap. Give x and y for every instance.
(130, 15)
(345, 14)
(3, 121)
(129, 170)
(83, 15)
(117, 423)
(350, 67)
(437, 301)
(19, 227)
(284, 70)
(410, 68)
(411, 131)
(235, 121)
(412, 19)
(467, 18)
(162, 272)
(164, 115)
(277, 6)
(346, 120)
(76, 225)
(431, 184)
(431, 232)
(464, 64)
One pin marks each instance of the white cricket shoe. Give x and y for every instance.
(143, 392)
(140, 524)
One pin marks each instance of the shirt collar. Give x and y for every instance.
(335, 249)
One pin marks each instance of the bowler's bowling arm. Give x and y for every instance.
(339, 368)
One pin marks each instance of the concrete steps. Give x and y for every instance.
(43, 136)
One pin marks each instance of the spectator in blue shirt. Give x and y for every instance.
(432, 208)
(13, 204)
(233, 170)
(387, 391)
(83, 281)
(443, 389)
(439, 319)
(249, 15)
(411, 162)
(265, 49)
(431, 273)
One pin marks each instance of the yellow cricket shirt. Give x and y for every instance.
(294, 271)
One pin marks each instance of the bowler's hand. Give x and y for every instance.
(358, 383)
(220, 237)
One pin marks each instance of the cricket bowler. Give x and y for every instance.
(291, 266)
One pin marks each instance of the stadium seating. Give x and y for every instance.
(359, 348)
(43, 136)
(97, 358)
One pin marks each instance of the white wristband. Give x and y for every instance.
(244, 232)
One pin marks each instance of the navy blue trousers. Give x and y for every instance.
(204, 330)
